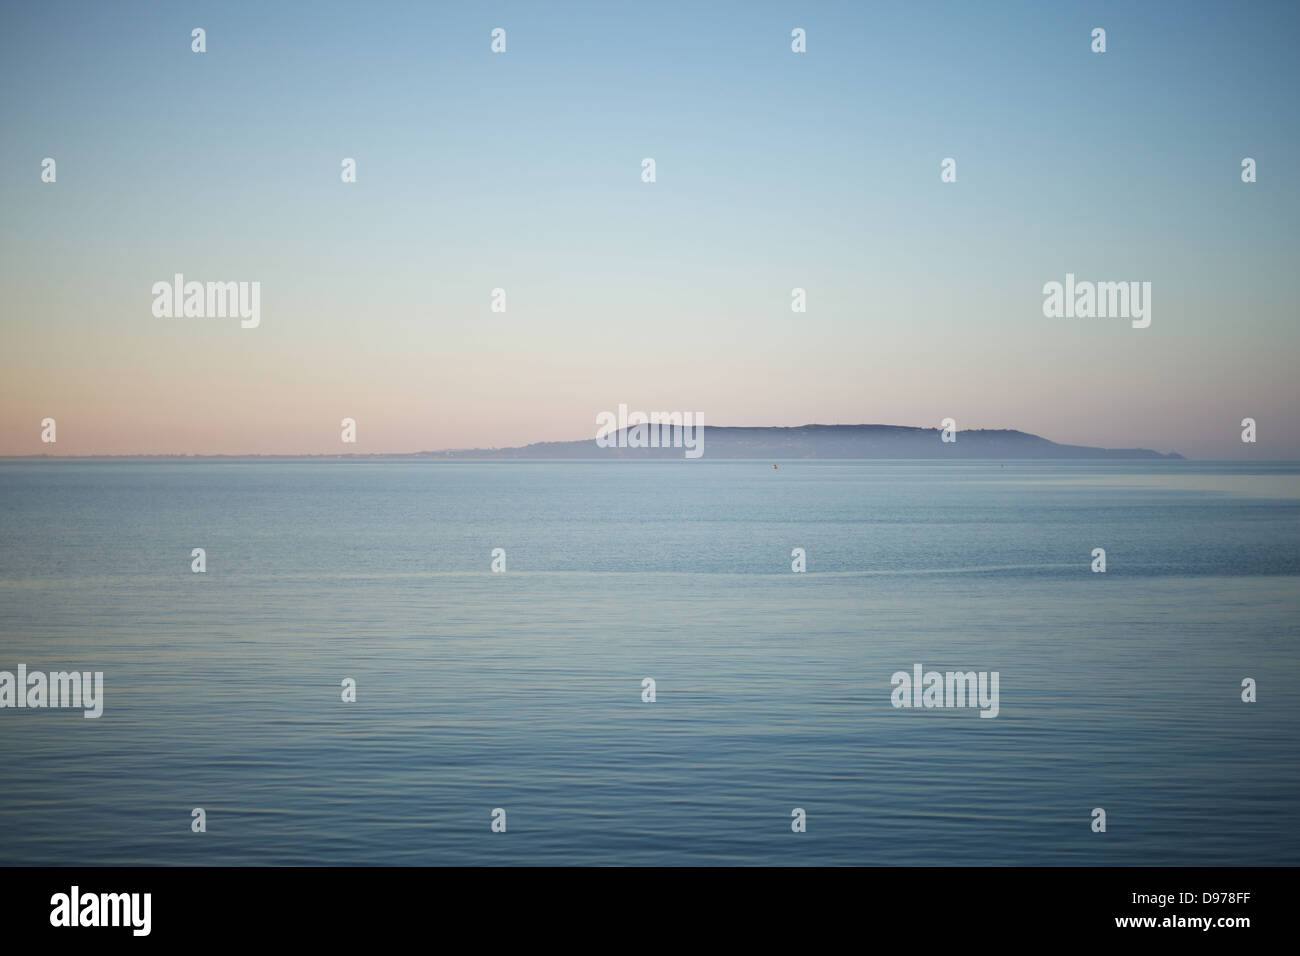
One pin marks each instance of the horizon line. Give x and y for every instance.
(696, 426)
(494, 451)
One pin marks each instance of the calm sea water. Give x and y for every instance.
(522, 690)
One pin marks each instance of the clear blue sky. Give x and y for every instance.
(522, 171)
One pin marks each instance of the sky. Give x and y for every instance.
(522, 171)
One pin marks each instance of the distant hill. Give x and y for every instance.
(821, 441)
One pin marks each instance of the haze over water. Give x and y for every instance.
(522, 690)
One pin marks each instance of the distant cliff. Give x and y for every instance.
(818, 441)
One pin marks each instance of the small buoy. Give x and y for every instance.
(773, 465)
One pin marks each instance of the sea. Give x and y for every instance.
(519, 696)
